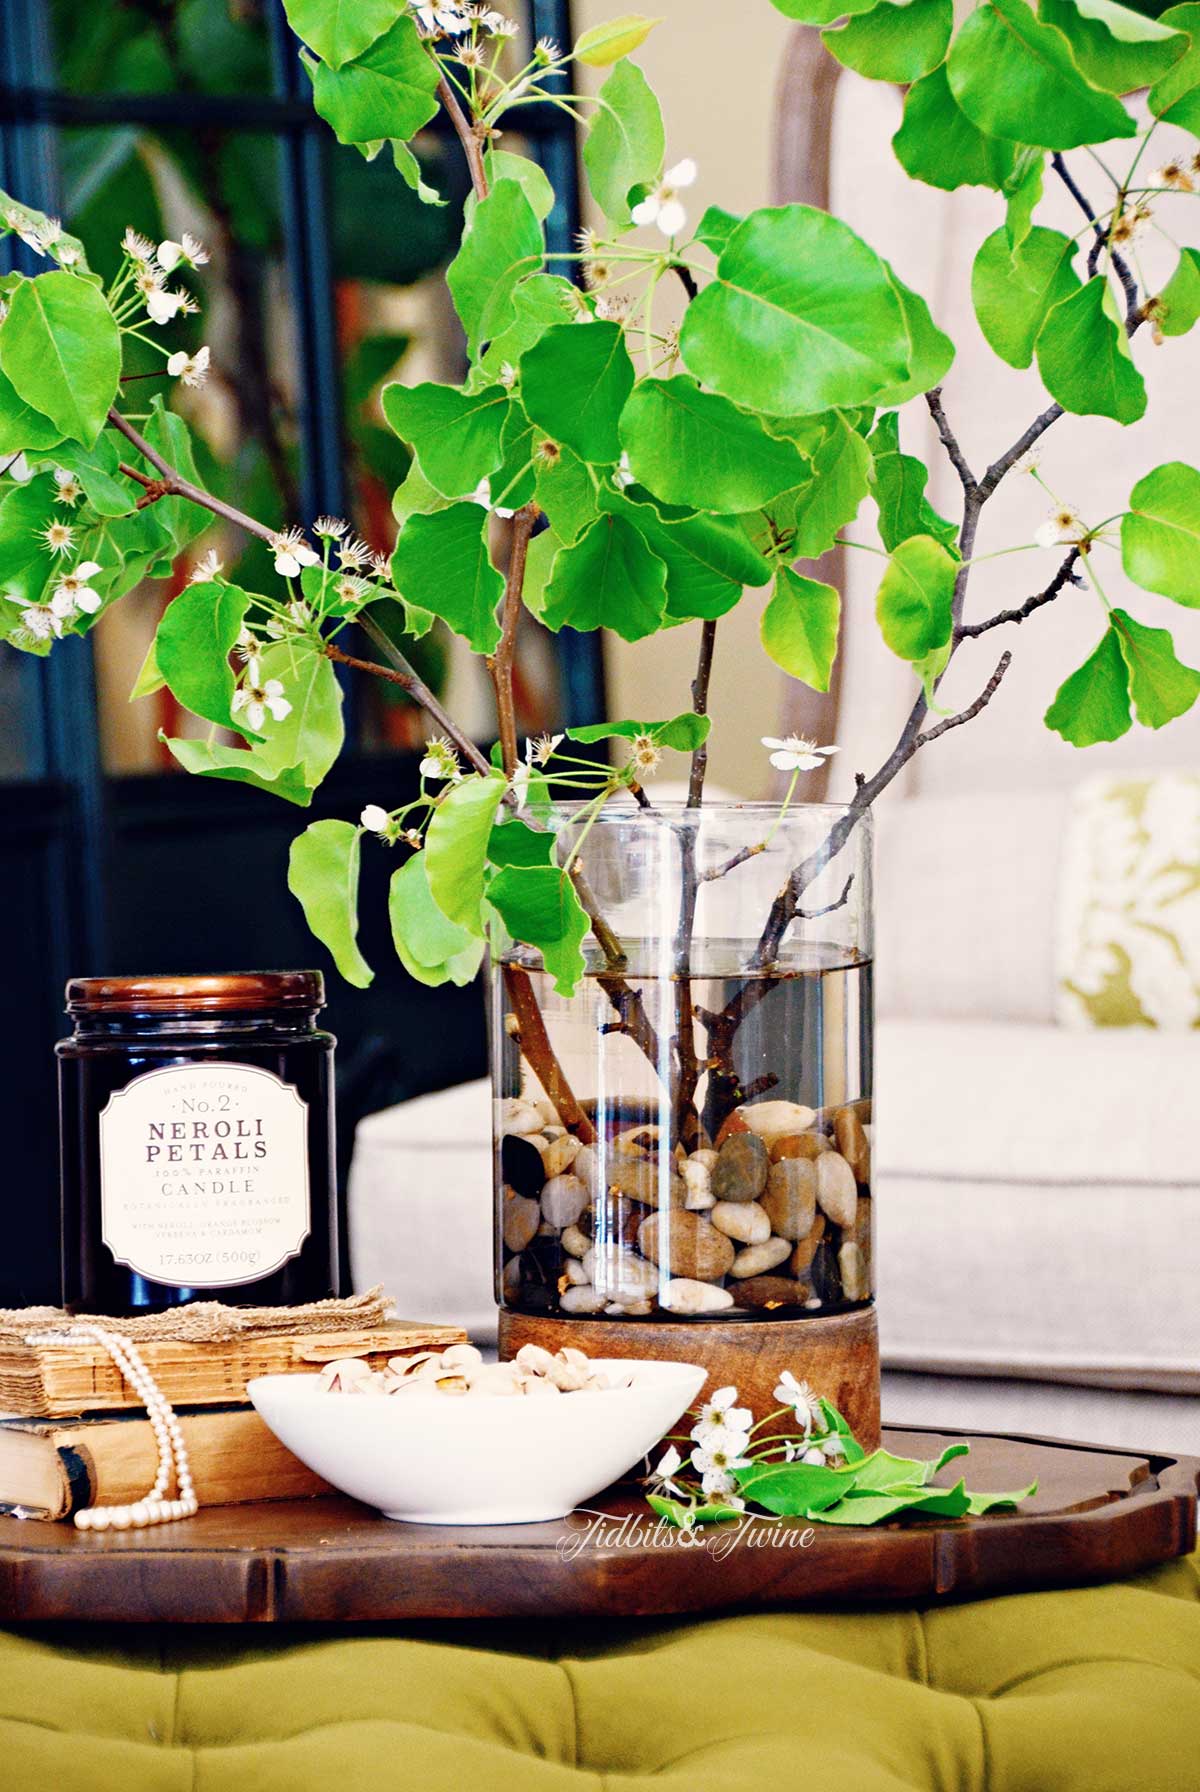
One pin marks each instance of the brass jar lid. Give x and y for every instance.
(241, 992)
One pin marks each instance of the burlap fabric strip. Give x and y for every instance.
(208, 1321)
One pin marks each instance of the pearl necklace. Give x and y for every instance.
(153, 1507)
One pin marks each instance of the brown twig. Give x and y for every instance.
(972, 710)
(538, 1052)
(467, 136)
(1066, 575)
(949, 440)
(700, 684)
(179, 487)
(1133, 308)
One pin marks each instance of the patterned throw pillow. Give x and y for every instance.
(1129, 904)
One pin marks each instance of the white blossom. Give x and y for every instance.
(189, 250)
(443, 16)
(37, 233)
(802, 1399)
(39, 620)
(353, 553)
(662, 205)
(663, 1476)
(1173, 174)
(507, 375)
(292, 552)
(137, 247)
(67, 489)
(191, 369)
(18, 469)
(645, 755)
(260, 698)
(330, 528)
(622, 476)
(721, 1422)
(58, 537)
(1063, 527)
(207, 567)
(440, 760)
(375, 819)
(163, 305)
(73, 588)
(546, 50)
(796, 753)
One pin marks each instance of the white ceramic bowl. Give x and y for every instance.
(474, 1458)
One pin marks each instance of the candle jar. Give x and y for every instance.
(196, 1136)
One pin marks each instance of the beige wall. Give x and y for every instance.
(712, 64)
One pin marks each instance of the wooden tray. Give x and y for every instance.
(1099, 1514)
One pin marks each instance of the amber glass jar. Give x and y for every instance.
(196, 1131)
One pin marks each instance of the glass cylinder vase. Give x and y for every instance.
(687, 1136)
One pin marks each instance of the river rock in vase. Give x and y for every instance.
(689, 1134)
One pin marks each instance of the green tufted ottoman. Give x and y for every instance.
(1094, 1690)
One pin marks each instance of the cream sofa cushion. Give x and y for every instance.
(1038, 1202)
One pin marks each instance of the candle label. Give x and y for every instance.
(204, 1175)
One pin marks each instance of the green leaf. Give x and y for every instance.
(1084, 360)
(800, 316)
(22, 429)
(323, 877)
(897, 484)
(1015, 77)
(516, 843)
(431, 948)
(894, 42)
(684, 733)
(607, 43)
(441, 563)
(1161, 686)
(390, 91)
(607, 579)
(529, 175)
(938, 144)
(456, 845)
(238, 765)
(167, 432)
(193, 643)
(96, 470)
(979, 1504)
(1178, 304)
(881, 1472)
(1024, 192)
(1115, 47)
(149, 678)
(411, 173)
(821, 12)
(791, 1489)
(574, 383)
(708, 559)
(539, 907)
(800, 627)
(502, 243)
(831, 497)
(1176, 97)
(915, 599)
(626, 143)
(1160, 535)
(25, 559)
(515, 480)
(696, 448)
(566, 494)
(1093, 704)
(61, 350)
(538, 302)
(716, 227)
(339, 30)
(455, 434)
(930, 350)
(311, 735)
(878, 1508)
(1014, 290)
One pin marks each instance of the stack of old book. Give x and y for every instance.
(72, 1434)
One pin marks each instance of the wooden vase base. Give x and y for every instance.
(837, 1355)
